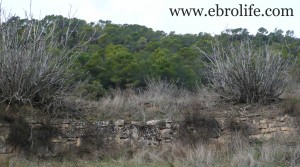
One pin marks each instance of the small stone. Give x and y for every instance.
(244, 119)
(169, 121)
(105, 123)
(169, 126)
(135, 133)
(153, 122)
(286, 129)
(135, 123)
(119, 122)
(280, 119)
(270, 130)
(276, 124)
(167, 140)
(264, 121)
(272, 125)
(166, 133)
(78, 142)
(263, 126)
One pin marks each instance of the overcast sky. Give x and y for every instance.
(156, 14)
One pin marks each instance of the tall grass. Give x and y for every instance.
(159, 100)
(244, 154)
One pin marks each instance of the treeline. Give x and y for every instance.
(124, 55)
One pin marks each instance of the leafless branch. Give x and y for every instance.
(245, 74)
(35, 62)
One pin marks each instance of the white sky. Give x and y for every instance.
(155, 14)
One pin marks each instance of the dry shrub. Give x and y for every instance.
(243, 73)
(198, 128)
(235, 125)
(32, 140)
(36, 61)
(98, 143)
(41, 138)
(292, 106)
(20, 133)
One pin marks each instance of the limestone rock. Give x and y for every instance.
(263, 126)
(134, 133)
(263, 121)
(169, 121)
(276, 124)
(101, 123)
(280, 119)
(270, 130)
(153, 122)
(58, 139)
(119, 122)
(286, 129)
(169, 126)
(136, 123)
(166, 133)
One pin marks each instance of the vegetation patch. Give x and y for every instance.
(20, 134)
(292, 106)
(198, 127)
(236, 126)
(98, 143)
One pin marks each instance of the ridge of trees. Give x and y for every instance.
(125, 55)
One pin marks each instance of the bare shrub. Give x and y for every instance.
(19, 134)
(35, 61)
(244, 74)
(198, 128)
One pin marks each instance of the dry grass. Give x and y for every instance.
(268, 154)
(160, 100)
(292, 99)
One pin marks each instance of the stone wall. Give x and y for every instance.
(280, 126)
(153, 133)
